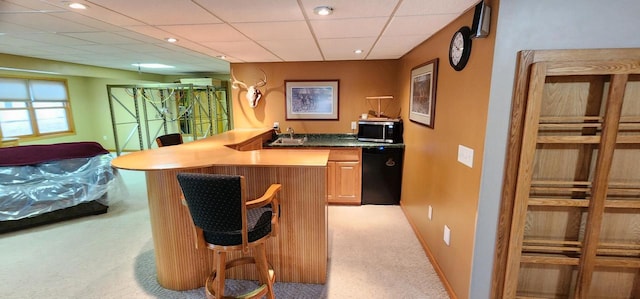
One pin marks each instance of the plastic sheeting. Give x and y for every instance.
(30, 190)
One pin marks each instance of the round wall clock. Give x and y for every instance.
(460, 48)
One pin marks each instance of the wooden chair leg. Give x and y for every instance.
(221, 260)
(262, 266)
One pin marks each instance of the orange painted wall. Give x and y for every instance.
(357, 80)
(433, 176)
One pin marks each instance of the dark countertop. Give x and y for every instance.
(330, 140)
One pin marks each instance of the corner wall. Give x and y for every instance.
(432, 175)
(535, 25)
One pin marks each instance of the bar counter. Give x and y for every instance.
(297, 254)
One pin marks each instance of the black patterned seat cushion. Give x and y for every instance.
(258, 225)
(215, 204)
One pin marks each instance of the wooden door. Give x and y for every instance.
(570, 218)
(347, 184)
(345, 176)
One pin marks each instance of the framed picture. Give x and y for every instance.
(422, 105)
(315, 100)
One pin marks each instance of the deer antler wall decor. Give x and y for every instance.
(253, 93)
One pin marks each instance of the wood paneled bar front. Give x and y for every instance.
(297, 254)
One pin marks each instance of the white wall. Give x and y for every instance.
(535, 25)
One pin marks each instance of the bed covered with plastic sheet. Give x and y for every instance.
(46, 183)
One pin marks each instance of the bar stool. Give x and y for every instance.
(169, 139)
(227, 222)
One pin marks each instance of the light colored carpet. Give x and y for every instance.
(373, 254)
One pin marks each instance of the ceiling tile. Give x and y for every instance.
(433, 7)
(22, 5)
(151, 32)
(365, 27)
(343, 9)
(146, 48)
(46, 22)
(9, 41)
(244, 51)
(69, 51)
(275, 30)
(9, 28)
(394, 47)
(99, 13)
(239, 11)
(103, 50)
(52, 38)
(140, 37)
(294, 50)
(205, 33)
(342, 48)
(194, 49)
(161, 12)
(428, 25)
(91, 22)
(103, 38)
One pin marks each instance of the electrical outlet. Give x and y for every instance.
(353, 125)
(276, 125)
(430, 212)
(465, 155)
(447, 235)
(104, 137)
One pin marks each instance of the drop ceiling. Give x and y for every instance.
(119, 33)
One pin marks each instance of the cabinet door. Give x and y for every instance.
(347, 182)
(331, 181)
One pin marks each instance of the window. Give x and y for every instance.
(34, 107)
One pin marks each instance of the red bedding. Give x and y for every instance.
(35, 154)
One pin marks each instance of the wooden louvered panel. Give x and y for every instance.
(179, 265)
(570, 219)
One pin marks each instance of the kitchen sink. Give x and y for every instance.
(288, 140)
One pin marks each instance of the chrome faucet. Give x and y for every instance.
(290, 131)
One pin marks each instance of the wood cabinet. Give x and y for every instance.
(344, 174)
(570, 214)
(344, 171)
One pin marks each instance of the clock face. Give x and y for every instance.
(460, 48)
(457, 47)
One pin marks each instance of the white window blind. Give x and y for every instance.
(31, 108)
(14, 89)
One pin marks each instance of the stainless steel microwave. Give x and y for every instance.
(386, 131)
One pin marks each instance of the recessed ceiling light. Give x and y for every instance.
(171, 39)
(323, 10)
(76, 5)
(358, 51)
(153, 65)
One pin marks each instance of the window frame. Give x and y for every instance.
(31, 110)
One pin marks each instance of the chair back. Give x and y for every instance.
(215, 201)
(169, 139)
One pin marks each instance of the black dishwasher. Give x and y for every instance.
(381, 175)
